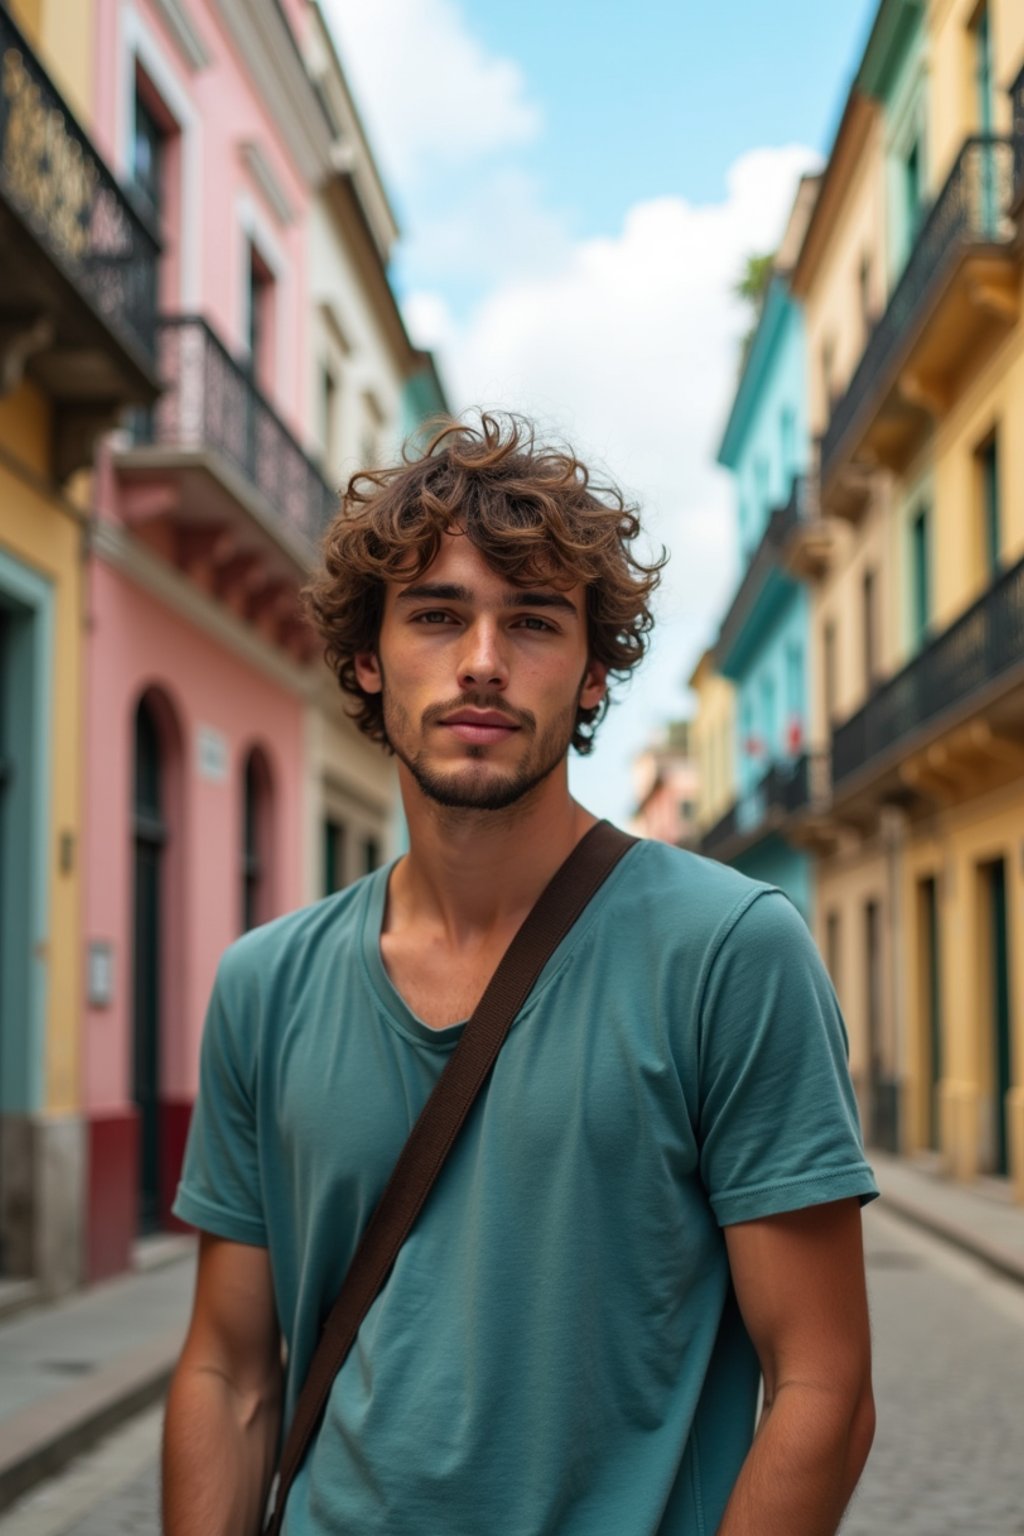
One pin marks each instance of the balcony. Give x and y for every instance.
(214, 478)
(793, 540)
(953, 716)
(957, 294)
(78, 269)
(783, 792)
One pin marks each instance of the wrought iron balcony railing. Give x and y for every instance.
(982, 645)
(780, 525)
(972, 209)
(1017, 107)
(59, 188)
(211, 404)
(788, 786)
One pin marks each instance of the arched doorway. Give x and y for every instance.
(150, 842)
(257, 840)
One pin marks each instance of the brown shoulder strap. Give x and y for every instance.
(554, 913)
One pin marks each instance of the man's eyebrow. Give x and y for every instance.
(451, 592)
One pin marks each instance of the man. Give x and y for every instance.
(655, 1202)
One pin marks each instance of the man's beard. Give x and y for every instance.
(457, 790)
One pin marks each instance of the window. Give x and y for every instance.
(981, 27)
(260, 319)
(769, 725)
(988, 487)
(334, 856)
(828, 647)
(328, 416)
(864, 292)
(920, 576)
(148, 157)
(371, 854)
(832, 942)
(868, 622)
(787, 437)
(828, 375)
(794, 697)
(913, 188)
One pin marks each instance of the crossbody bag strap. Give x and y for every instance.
(549, 920)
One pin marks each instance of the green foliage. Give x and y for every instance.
(752, 289)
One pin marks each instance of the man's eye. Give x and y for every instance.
(434, 616)
(530, 621)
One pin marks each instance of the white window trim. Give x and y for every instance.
(137, 45)
(255, 230)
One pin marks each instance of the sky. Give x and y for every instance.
(578, 186)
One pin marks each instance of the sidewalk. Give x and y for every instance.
(70, 1372)
(73, 1370)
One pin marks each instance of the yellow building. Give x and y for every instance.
(77, 274)
(712, 741)
(911, 278)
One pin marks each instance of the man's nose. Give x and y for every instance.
(482, 663)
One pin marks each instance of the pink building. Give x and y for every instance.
(666, 783)
(200, 670)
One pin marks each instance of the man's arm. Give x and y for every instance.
(799, 1281)
(223, 1411)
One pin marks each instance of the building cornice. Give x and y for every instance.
(270, 187)
(265, 43)
(186, 38)
(117, 547)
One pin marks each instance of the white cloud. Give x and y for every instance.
(627, 346)
(434, 97)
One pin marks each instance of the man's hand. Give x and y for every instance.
(223, 1411)
(799, 1281)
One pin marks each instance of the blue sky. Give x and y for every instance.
(578, 186)
(653, 97)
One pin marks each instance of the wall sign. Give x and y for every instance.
(212, 747)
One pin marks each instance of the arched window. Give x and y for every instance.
(257, 810)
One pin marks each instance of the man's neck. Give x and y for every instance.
(474, 874)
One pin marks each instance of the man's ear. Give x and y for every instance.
(595, 684)
(368, 673)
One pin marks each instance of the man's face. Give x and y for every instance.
(481, 681)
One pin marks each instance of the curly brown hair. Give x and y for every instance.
(534, 513)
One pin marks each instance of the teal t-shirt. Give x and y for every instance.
(558, 1350)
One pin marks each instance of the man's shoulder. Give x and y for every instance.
(295, 939)
(684, 890)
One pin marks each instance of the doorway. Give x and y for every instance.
(150, 840)
(996, 958)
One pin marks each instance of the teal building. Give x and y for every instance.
(763, 643)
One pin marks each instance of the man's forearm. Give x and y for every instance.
(805, 1462)
(218, 1454)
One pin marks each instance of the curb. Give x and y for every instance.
(1005, 1263)
(42, 1439)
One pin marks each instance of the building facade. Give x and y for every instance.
(763, 643)
(77, 345)
(225, 783)
(909, 796)
(665, 784)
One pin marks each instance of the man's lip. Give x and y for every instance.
(468, 718)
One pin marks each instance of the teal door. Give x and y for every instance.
(933, 1001)
(1000, 994)
(920, 577)
(150, 840)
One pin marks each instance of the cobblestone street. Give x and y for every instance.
(949, 1363)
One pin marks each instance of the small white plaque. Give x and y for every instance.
(213, 755)
(101, 973)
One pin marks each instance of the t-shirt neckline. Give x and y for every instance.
(393, 1006)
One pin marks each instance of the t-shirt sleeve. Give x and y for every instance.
(219, 1190)
(778, 1122)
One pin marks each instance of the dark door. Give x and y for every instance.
(881, 1090)
(150, 838)
(1000, 994)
